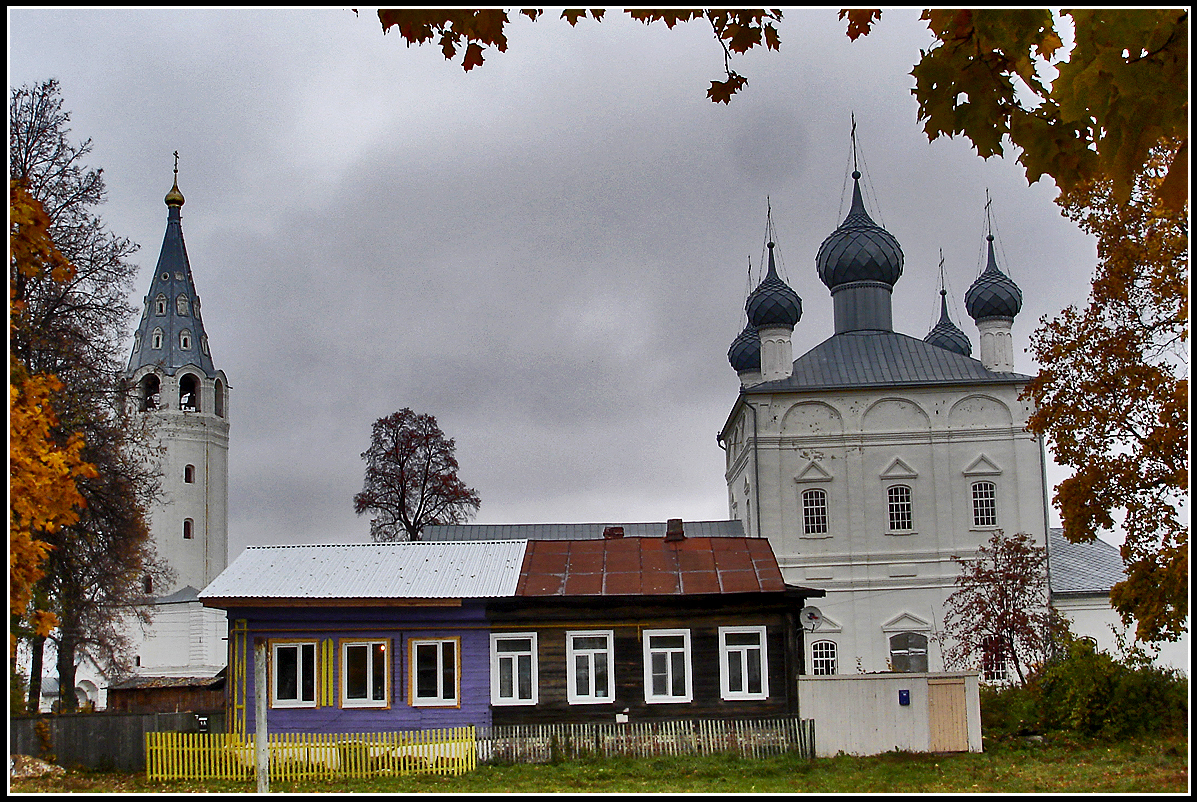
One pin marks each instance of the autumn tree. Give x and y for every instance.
(999, 613)
(1112, 396)
(411, 478)
(74, 329)
(1095, 111)
(472, 30)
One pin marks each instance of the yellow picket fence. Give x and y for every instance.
(297, 756)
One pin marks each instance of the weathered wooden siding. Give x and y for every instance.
(628, 618)
(396, 624)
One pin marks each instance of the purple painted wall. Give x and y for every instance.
(397, 625)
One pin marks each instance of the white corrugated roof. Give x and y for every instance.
(406, 570)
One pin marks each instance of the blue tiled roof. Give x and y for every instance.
(882, 358)
(1092, 567)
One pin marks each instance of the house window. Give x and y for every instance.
(147, 584)
(364, 673)
(590, 667)
(667, 666)
(513, 669)
(188, 529)
(994, 668)
(908, 652)
(822, 658)
(814, 512)
(901, 516)
(984, 504)
(434, 672)
(744, 664)
(293, 675)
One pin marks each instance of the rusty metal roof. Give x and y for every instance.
(649, 566)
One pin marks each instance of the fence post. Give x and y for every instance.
(261, 747)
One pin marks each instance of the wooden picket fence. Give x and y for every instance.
(543, 743)
(299, 756)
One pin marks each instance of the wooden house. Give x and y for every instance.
(420, 635)
(638, 628)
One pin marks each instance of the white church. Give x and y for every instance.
(867, 462)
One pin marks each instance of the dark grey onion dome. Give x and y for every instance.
(859, 250)
(993, 294)
(745, 352)
(945, 334)
(773, 303)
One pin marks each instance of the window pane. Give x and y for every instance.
(590, 642)
(679, 674)
(660, 673)
(307, 680)
(355, 671)
(743, 638)
(524, 673)
(286, 673)
(514, 645)
(735, 673)
(600, 673)
(379, 677)
(754, 671)
(666, 642)
(506, 679)
(448, 670)
(426, 670)
(582, 675)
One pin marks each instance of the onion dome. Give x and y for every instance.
(993, 294)
(745, 352)
(174, 197)
(859, 250)
(945, 334)
(773, 303)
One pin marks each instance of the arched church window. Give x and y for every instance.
(189, 474)
(181, 305)
(189, 393)
(823, 658)
(136, 341)
(151, 389)
(993, 660)
(156, 339)
(219, 399)
(160, 305)
(188, 529)
(908, 652)
(814, 512)
(147, 584)
(901, 509)
(984, 504)
(185, 340)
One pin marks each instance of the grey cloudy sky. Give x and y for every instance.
(549, 253)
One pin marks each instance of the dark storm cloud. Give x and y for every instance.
(549, 253)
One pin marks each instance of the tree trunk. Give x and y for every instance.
(67, 703)
(37, 645)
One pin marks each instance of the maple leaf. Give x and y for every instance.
(860, 20)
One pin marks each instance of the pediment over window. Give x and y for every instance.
(982, 466)
(829, 626)
(813, 472)
(898, 469)
(906, 622)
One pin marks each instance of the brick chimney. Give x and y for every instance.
(674, 531)
(613, 532)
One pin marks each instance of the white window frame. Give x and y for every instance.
(815, 519)
(506, 664)
(827, 663)
(572, 654)
(984, 494)
(275, 674)
(670, 665)
(441, 697)
(910, 653)
(369, 700)
(898, 509)
(740, 655)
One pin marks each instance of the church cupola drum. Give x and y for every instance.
(993, 301)
(860, 262)
(171, 375)
(773, 311)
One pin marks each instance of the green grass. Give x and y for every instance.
(1150, 765)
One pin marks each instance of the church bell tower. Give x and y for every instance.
(172, 377)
